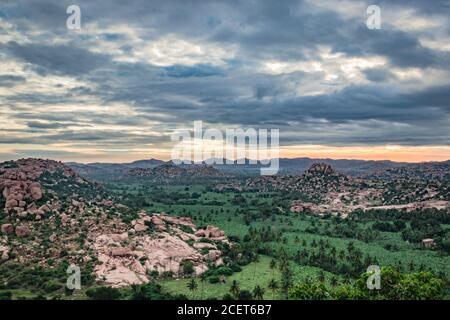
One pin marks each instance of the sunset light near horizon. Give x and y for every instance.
(117, 87)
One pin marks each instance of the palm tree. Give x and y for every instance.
(341, 254)
(321, 276)
(255, 261)
(234, 289)
(350, 247)
(202, 281)
(286, 280)
(283, 263)
(192, 286)
(273, 285)
(137, 292)
(334, 281)
(411, 266)
(272, 266)
(258, 293)
(333, 251)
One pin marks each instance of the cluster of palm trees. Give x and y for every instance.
(257, 292)
(235, 290)
(282, 285)
(350, 262)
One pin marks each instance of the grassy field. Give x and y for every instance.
(258, 273)
(294, 226)
(297, 232)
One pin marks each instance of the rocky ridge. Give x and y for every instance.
(321, 189)
(51, 215)
(168, 172)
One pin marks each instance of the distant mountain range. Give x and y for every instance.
(99, 170)
(286, 166)
(299, 165)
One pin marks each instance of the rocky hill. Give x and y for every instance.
(244, 167)
(111, 171)
(169, 173)
(313, 184)
(322, 189)
(50, 215)
(421, 182)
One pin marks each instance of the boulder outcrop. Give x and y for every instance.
(126, 259)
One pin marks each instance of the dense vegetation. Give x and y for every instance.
(276, 254)
(335, 252)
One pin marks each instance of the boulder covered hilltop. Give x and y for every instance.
(50, 214)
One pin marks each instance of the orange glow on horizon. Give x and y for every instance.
(393, 153)
(388, 152)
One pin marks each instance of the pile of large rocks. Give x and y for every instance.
(321, 167)
(19, 186)
(300, 206)
(23, 192)
(20, 231)
(4, 253)
(129, 257)
(84, 229)
(212, 233)
(18, 192)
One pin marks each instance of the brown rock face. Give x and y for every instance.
(11, 204)
(214, 232)
(22, 231)
(107, 203)
(321, 168)
(16, 193)
(56, 206)
(35, 191)
(299, 206)
(214, 255)
(200, 233)
(5, 192)
(157, 221)
(4, 253)
(204, 245)
(120, 237)
(139, 227)
(64, 218)
(127, 258)
(120, 252)
(44, 208)
(19, 184)
(210, 232)
(7, 228)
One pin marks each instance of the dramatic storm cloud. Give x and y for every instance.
(138, 70)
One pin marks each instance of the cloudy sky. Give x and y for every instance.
(138, 70)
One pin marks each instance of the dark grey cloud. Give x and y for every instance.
(47, 125)
(200, 70)
(401, 48)
(237, 91)
(46, 120)
(10, 80)
(436, 7)
(58, 59)
(116, 138)
(378, 74)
